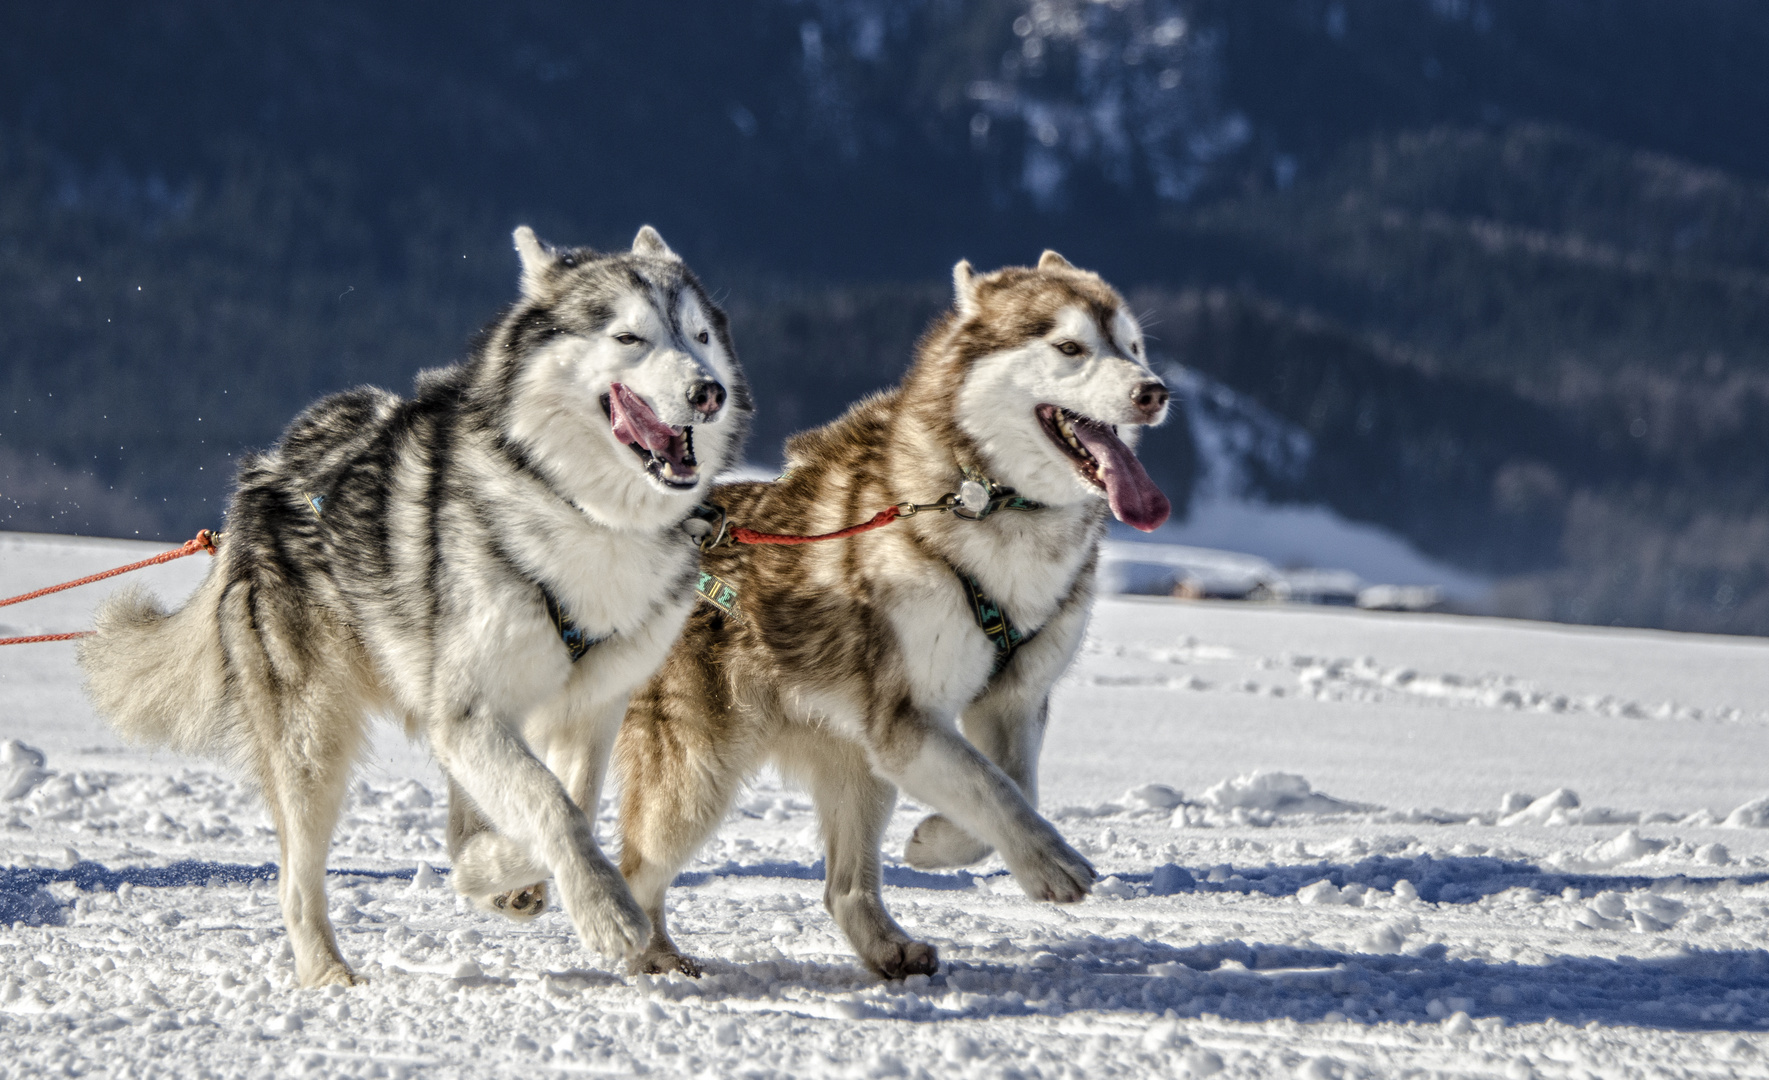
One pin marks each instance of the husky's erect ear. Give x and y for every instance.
(964, 288)
(649, 243)
(1050, 260)
(537, 260)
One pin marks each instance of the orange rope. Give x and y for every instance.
(45, 637)
(879, 520)
(204, 540)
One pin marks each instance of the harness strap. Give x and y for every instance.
(577, 641)
(718, 592)
(993, 620)
(991, 617)
(976, 498)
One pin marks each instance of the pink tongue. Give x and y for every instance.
(1136, 501)
(634, 422)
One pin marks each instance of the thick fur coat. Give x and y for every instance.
(858, 665)
(497, 561)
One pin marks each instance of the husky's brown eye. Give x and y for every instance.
(1070, 348)
(703, 337)
(627, 339)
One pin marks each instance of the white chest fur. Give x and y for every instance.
(1029, 568)
(1027, 561)
(946, 656)
(607, 582)
(608, 579)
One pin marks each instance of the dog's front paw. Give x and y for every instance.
(522, 904)
(488, 865)
(662, 960)
(618, 931)
(901, 959)
(1054, 871)
(938, 844)
(607, 917)
(332, 974)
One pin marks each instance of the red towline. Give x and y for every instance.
(882, 518)
(204, 540)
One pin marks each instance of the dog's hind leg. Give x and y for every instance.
(304, 766)
(679, 771)
(304, 796)
(854, 806)
(303, 691)
(490, 869)
(1009, 732)
(528, 805)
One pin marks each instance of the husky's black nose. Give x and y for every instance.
(708, 397)
(1149, 398)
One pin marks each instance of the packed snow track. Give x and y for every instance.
(1333, 843)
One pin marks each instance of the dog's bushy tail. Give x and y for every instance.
(159, 677)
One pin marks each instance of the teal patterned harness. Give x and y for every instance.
(718, 592)
(992, 619)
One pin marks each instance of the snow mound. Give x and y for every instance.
(1560, 807)
(1541, 811)
(1627, 847)
(1752, 815)
(1153, 797)
(22, 768)
(1275, 793)
(1261, 798)
(1641, 912)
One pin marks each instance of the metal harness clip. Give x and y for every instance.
(706, 523)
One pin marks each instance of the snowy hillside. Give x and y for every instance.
(1335, 843)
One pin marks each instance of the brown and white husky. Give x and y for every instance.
(918, 656)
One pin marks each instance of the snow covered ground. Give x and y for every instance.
(1336, 843)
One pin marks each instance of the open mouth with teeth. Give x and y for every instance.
(1104, 461)
(667, 452)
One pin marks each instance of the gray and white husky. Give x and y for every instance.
(497, 561)
(918, 656)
